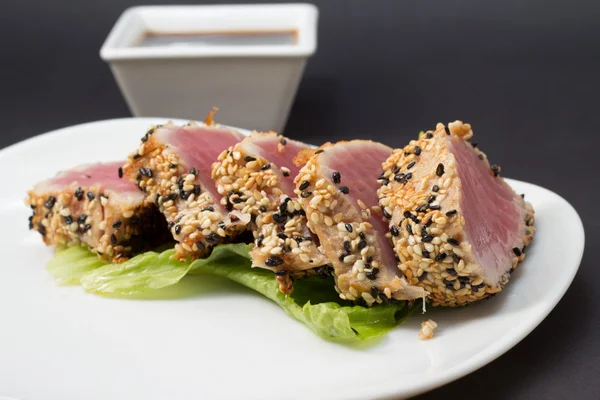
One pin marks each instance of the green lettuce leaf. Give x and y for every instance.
(314, 302)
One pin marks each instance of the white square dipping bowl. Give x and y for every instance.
(253, 84)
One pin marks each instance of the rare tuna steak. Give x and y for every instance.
(173, 167)
(457, 226)
(90, 205)
(338, 190)
(256, 177)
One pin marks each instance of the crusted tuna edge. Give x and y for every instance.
(64, 218)
(437, 263)
(320, 199)
(250, 184)
(194, 221)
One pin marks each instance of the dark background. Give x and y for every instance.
(525, 74)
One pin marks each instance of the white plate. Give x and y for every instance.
(208, 338)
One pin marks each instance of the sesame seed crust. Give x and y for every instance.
(111, 229)
(346, 231)
(252, 185)
(196, 219)
(426, 221)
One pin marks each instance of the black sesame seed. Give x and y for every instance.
(221, 224)
(82, 218)
(212, 238)
(361, 245)
(425, 253)
(170, 224)
(374, 292)
(281, 273)
(305, 194)
(237, 200)
(434, 207)
(517, 251)
(439, 171)
(341, 257)
(265, 167)
(348, 227)
(41, 229)
(319, 151)
(372, 275)
(369, 259)
(347, 246)
(481, 156)
(464, 279)
(427, 238)
(495, 169)
(201, 246)
(451, 213)
(474, 144)
(422, 277)
(455, 258)
(173, 166)
(336, 177)
(417, 150)
(146, 172)
(259, 240)
(447, 130)
(394, 230)
(283, 141)
(282, 236)
(304, 185)
(406, 214)
(177, 229)
(344, 189)
(279, 218)
(422, 208)
(193, 171)
(117, 224)
(435, 188)
(429, 135)
(120, 172)
(249, 158)
(399, 177)
(145, 138)
(79, 194)
(430, 199)
(453, 241)
(273, 261)
(262, 209)
(196, 190)
(50, 202)
(409, 229)
(113, 239)
(412, 164)
(298, 239)
(68, 219)
(408, 176)
(136, 156)
(440, 257)
(386, 214)
(452, 271)
(362, 235)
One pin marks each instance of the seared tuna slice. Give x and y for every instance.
(338, 190)
(457, 226)
(173, 167)
(256, 177)
(90, 205)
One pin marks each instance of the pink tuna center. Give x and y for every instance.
(105, 175)
(359, 165)
(199, 147)
(494, 219)
(267, 147)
